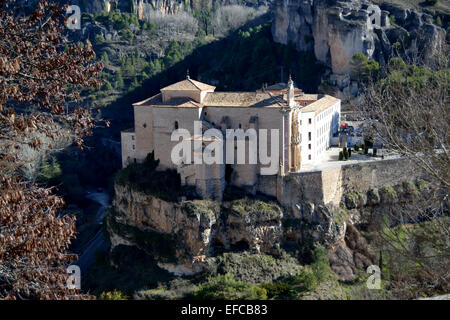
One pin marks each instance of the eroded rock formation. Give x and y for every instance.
(336, 30)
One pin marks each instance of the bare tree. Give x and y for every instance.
(232, 17)
(39, 72)
(408, 110)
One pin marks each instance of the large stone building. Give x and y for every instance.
(305, 124)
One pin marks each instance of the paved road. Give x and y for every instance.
(97, 242)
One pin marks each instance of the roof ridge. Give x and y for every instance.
(192, 81)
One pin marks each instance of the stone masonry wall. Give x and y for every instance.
(329, 185)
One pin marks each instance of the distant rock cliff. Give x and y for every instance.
(336, 30)
(163, 6)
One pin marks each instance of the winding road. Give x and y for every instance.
(97, 242)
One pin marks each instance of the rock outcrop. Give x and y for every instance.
(336, 30)
(182, 235)
(191, 231)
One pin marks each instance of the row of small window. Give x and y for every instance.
(326, 113)
(322, 129)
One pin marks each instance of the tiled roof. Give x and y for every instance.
(307, 96)
(320, 105)
(240, 99)
(189, 84)
(174, 102)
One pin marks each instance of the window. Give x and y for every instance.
(309, 136)
(134, 147)
(144, 125)
(240, 126)
(309, 120)
(132, 138)
(309, 157)
(309, 146)
(176, 125)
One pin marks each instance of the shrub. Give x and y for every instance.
(345, 153)
(107, 87)
(225, 287)
(392, 19)
(341, 156)
(50, 172)
(127, 34)
(366, 149)
(99, 39)
(349, 152)
(321, 264)
(113, 295)
(292, 287)
(252, 207)
(374, 152)
(105, 58)
(356, 148)
(143, 177)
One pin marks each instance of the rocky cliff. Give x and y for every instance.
(336, 30)
(181, 236)
(162, 6)
(191, 231)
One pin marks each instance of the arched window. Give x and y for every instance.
(176, 125)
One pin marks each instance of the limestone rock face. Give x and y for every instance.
(196, 229)
(174, 6)
(336, 30)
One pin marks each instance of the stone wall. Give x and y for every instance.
(329, 185)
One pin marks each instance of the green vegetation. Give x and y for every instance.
(251, 58)
(113, 295)
(195, 208)
(116, 18)
(249, 207)
(50, 173)
(144, 177)
(345, 153)
(413, 254)
(177, 288)
(321, 265)
(255, 268)
(225, 287)
(362, 69)
(292, 287)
